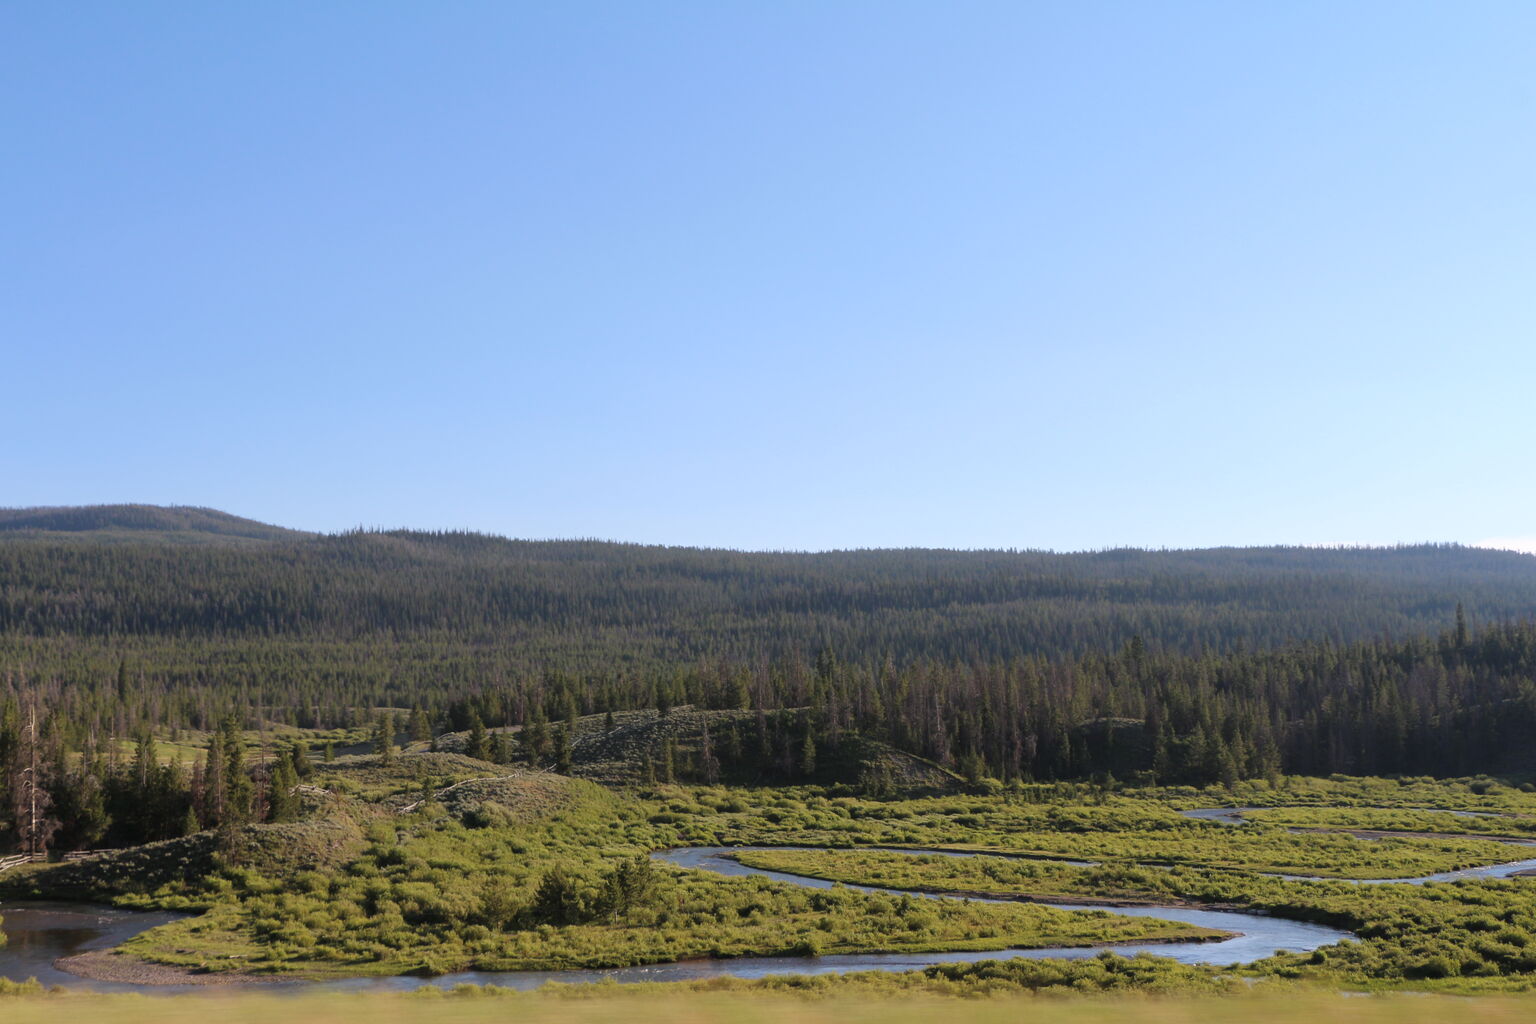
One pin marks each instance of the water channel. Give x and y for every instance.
(41, 933)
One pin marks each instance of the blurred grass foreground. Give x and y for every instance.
(607, 1007)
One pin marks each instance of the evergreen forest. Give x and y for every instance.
(121, 624)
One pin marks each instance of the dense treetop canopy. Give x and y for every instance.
(129, 571)
(1200, 666)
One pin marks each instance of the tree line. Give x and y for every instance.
(588, 605)
(1461, 703)
(57, 797)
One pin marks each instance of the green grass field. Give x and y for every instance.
(717, 1007)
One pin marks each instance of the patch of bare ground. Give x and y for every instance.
(125, 968)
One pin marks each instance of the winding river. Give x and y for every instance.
(41, 933)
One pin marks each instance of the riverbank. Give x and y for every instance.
(1086, 902)
(121, 968)
(1219, 934)
(1213, 936)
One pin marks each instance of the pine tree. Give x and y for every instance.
(283, 803)
(384, 739)
(78, 802)
(420, 727)
(301, 763)
(534, 738)
(563, 749)
(215, 791)
(476, 746)
(632, 885)
(557, 900)
(238, 788)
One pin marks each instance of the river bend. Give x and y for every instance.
(43, 933)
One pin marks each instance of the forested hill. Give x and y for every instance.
(1192, 665)
(137, 522)
(116, 572)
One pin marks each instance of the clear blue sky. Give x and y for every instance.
(781, 274)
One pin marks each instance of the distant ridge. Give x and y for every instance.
(174, 522)
(118, 571)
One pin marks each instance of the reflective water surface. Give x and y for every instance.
(39, 933)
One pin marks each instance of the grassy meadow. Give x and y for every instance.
(715, 1006)
(431, 863)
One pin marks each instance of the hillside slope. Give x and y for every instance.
(634, 750)
(136, 522)
(107, 572)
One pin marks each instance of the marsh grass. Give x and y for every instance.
(514, 872)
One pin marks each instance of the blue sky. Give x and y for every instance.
(787, 274)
